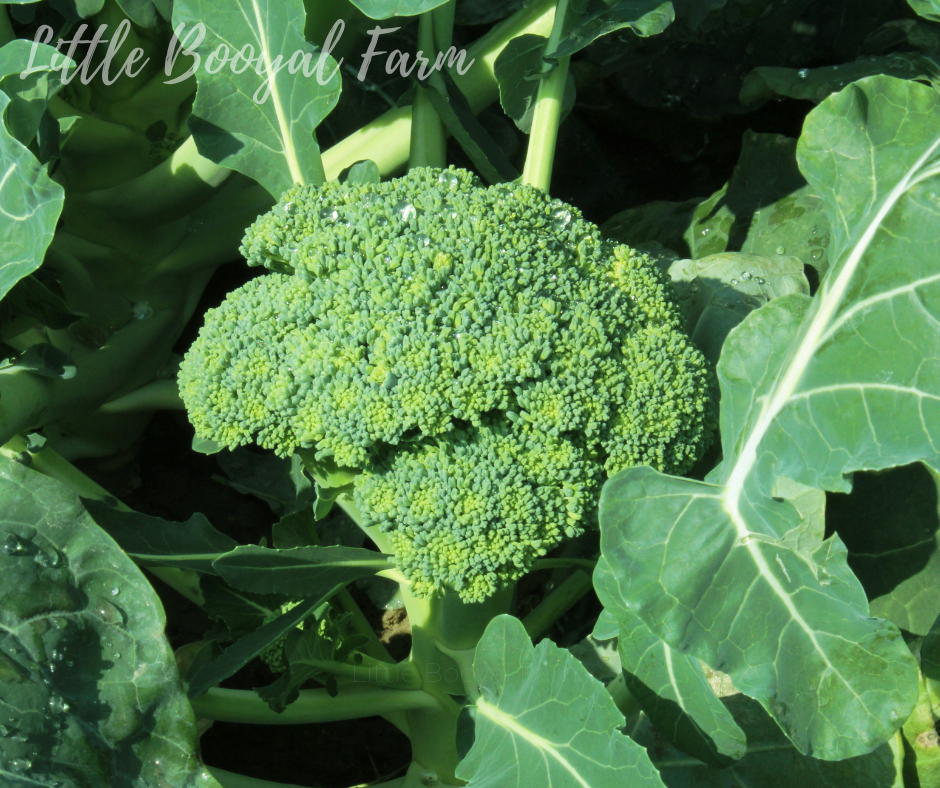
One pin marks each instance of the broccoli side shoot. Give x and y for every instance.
(483, 355)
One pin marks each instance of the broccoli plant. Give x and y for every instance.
(652, 520)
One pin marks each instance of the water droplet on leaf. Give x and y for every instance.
(57, 705)
(48, 559)
(12, 545)
(141, 310)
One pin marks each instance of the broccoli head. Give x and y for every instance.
(483, 355)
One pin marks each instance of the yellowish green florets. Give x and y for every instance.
(482, 354)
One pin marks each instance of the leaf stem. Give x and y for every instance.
(386, 140)
(557, 603)
(428, 136)
(314, 705)
(547, 117)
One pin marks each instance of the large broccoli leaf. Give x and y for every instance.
(812, 390)
(89, 692)
(261, 125)
(542, 719)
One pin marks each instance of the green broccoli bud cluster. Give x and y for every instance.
(273, 654)
(483, 355)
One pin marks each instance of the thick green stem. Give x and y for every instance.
(160, 395)
(428, 137)
(387, 139)
(548, 106)
(165, 193)
(51, 464)
(557, 603)
(372, 671)
(315, 705)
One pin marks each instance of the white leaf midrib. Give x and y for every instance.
(828, 302)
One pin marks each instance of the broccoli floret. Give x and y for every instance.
(273, 653)
(483, 355)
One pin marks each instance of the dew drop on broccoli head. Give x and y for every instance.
(448, 180)
(406, 210)
(329, 214)
(141, 310)
(561, 218)
(422, 241)
(381, 221)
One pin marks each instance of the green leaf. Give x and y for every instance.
(815, 84)
(278, 481)
(30, 302)
(43, 359)
(644, 17)
(300, 571)
(383, 9)
(89, 691)
(454, 111)
(30, 204)
(766, 208)
(365, 171)
(153, 541)
(236, 656)
(811, 390)
(77, 9)
(240, 611)
(236, 122)
(29, 96)
(717, 292)
(890, 526)
(542, 719)
(929, 9)
(772, 761)
(517, 88)
(672, 690)
(308, 652)
(295, 530)
(485, 12)
(660, 221)
(146, 13)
